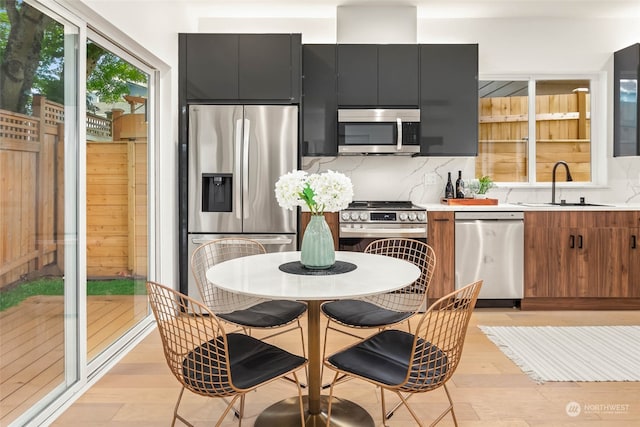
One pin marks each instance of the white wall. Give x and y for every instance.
(569, 43)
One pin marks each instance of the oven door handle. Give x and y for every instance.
(386, 232)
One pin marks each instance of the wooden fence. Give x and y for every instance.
(116, 208)
(32, 191)
(562, 133)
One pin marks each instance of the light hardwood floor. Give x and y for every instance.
(488, 389)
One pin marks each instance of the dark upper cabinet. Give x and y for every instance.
(398, 75)
(378, 75)
(357, 75)
(449, 100)
(442, 80)
(269, 66)
(626, 115)
(319, 100)
(211, 66)
(242, 67)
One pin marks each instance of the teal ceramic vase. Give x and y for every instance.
(317, 251)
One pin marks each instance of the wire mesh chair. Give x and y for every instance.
(241, 310)
(387, 309)
(209, 362)
(410, 363)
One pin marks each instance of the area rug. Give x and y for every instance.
(571, 353)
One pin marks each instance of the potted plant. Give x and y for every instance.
(484, 184)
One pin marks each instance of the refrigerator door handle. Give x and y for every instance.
(277, 240)
(274, 240)
(245, 166)
(237, 169)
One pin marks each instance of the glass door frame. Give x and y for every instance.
(105, 357)
(79, 373)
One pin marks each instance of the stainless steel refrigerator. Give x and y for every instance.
(236, 153)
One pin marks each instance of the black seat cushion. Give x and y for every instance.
(266, 314)
(362, 314)
(251, 362)
(386, 356)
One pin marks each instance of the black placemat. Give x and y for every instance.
(296, 267)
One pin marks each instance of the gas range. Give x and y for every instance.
(383, 212)
(364, 221)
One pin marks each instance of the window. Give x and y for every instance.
(518, 147)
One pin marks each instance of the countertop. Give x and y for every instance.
(528, 207)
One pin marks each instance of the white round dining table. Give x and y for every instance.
(261, 276)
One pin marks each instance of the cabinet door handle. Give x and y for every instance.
(579, 241)
(572, 241)
(441, 219)
(634, 243)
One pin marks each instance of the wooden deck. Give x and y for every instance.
(32, 337)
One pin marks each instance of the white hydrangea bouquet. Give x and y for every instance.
(328, 191)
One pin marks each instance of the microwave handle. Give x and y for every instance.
(399, 141)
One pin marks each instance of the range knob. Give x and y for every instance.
(363, 216)
(422, 217)
(412, 217)
(354, 216)
(345, 216)
(403, 217)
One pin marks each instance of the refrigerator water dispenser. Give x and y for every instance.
(216, 192)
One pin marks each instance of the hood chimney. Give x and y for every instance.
(377, 24)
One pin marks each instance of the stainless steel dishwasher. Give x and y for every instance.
(490, 246)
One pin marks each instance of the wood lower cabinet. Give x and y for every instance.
(581, 255)
(633, 237)
(441, 237)
(332, 221)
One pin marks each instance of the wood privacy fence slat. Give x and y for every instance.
(25, 218)
(32, 197)
(563, 128)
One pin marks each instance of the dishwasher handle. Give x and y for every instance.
(490, 216)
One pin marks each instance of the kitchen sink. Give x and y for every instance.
(577, 204)
(559, 205)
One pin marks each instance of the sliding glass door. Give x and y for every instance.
(38, 209)
(77, 116)
(116, 194)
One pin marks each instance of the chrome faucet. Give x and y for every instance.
(553, 181)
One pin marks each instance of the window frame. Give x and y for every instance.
(599, 125)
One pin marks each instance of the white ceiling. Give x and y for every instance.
(448, 8)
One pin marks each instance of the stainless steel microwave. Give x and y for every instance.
(379, 131)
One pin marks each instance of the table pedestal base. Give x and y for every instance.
(286, 413)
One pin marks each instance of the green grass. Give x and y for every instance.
(55, 286)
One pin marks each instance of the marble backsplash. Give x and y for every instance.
(422, 179)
